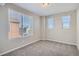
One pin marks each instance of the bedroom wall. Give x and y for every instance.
(42, 30)
(77, 28)
(59, 34)
(5, 44)
(40, 27)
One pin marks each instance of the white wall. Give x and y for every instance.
(59, 34)
(5, 43)
(42, 30)
(78, 28)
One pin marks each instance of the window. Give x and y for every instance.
(27, 25)
(66, 22)
(14, 22)
(20, 25)
(51, 22)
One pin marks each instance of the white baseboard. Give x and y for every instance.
(34, 42)
(69, 43)
(17, 48)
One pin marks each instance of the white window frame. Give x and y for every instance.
(32, 26)
(68, 22)
(31, 17)
(9, 21)
(53, 23)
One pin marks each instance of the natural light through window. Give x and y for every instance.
(51, 22)
(20, 25)
(27, 25)
(66, 22)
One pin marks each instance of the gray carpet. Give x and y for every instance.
(45, 48)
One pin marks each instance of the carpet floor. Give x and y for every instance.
(45, 48)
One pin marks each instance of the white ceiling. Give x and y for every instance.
(52, 9)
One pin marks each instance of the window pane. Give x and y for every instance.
(66, 22)
(27, 25)
(19, 24)
(14, 23)
(14, 31)
(50, 22)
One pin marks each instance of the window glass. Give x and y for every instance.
(27, 25)
(19, 24)
(66, 22)
(51, 22)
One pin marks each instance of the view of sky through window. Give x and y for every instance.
(50, 22)
(66, 22)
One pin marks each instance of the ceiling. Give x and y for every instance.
(53, 8)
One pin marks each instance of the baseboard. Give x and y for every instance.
(69, 43)
(62, 42)
(34, 42)
(17, 48)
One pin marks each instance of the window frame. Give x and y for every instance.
(53, 23)
(32, 25)
(9, 23)
(67, 28)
